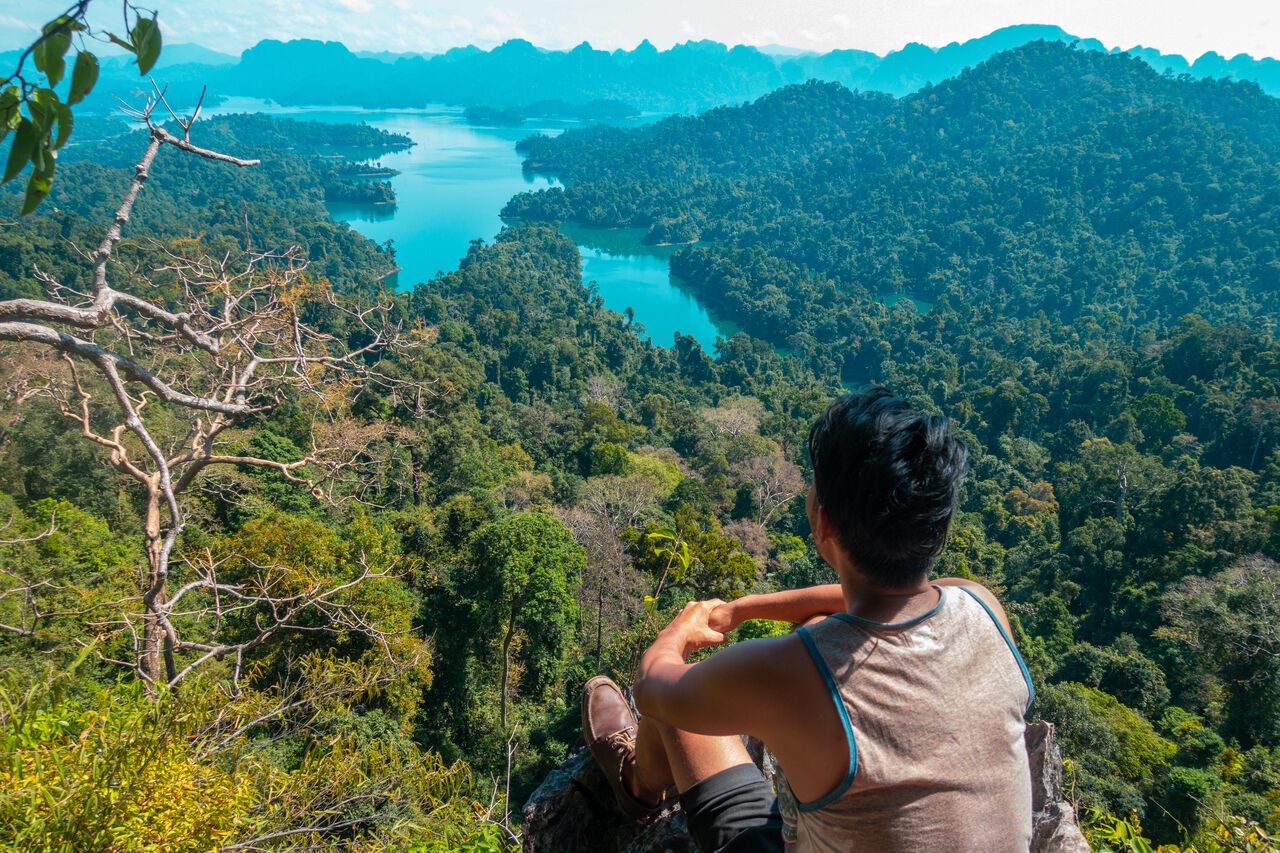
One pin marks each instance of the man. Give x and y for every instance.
(896, 723)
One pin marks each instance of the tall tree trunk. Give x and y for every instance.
(599, 615)
(1122, 496)
(506, 668)
(155, 663)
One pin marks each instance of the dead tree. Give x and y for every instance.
(774, 481)
(165, 387)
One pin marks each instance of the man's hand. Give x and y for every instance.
(724, 618)
(692, 629)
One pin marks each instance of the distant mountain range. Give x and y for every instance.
(690, 77)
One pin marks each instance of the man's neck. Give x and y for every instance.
(872, 601)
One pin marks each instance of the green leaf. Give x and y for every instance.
(65, 123)
(44, 156)
(38, 187)
(43, 107)
(24, 143)
(69, 25)
(10, 114)
(49, 55)
(83, 76)
(146, 42)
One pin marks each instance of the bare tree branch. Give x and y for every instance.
(233, 343)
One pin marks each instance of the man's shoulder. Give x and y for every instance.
(984, 595)
(778, 676)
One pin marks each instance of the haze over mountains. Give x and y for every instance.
(689, 77)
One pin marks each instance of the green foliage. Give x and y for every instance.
(1221, 631)
(1115, 754)
(118, 770)
(114, 773)
(520, 580)
(1109, 834)
(609, 458)
(1121, 670)
(58, 582)
(1158, 417)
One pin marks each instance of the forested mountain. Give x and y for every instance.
(1048, 180)
(688, 77)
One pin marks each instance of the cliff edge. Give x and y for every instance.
(573, 810)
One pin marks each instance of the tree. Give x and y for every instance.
(735, 416)
(1114, 753)
(774, 481)
(119, 770)
(1230, 623)
(173, 376)
(1158, 417)
(520, 578)
(608, 507)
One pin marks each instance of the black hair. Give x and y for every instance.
(888, 479)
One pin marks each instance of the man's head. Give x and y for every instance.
(885, 484)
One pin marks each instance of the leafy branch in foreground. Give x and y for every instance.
(39, 118)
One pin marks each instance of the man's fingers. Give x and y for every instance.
(702, 639)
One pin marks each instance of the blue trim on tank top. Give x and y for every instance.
(896, 626)
(836, 697)
(1022, 665)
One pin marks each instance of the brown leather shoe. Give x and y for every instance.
(609, 728)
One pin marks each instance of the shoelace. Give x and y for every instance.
(624, 741)
(624, 744)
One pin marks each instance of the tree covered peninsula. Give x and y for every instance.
(440, 510)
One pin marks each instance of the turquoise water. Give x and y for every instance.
(452, 185)
(629, 273)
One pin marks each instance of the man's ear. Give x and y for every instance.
(823, 530)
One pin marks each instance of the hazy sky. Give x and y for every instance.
(1188, 27)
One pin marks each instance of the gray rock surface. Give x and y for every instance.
(1053, 823)
(573, 810)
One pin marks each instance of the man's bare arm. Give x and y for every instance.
(724, 694)
(793, 605)
(800, 605)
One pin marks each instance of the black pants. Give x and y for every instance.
(734, 811)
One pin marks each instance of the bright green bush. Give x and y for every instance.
(122, 772)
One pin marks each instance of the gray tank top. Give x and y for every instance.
(933, 711)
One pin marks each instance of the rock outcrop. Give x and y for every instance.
(1053, 823)
(573, 810)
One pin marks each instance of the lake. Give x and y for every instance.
(452, 185)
